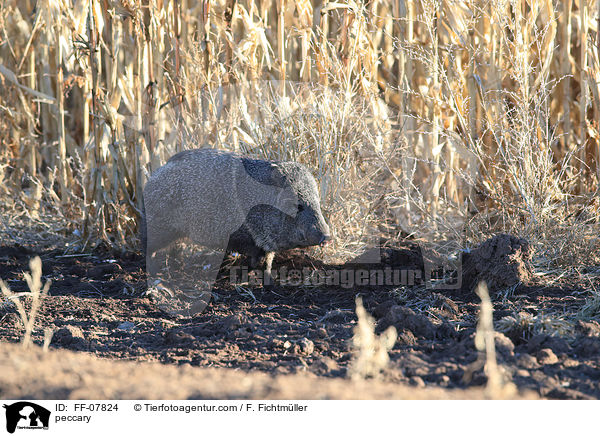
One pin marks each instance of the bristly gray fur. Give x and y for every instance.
(224, 201)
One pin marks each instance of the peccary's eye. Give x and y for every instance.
(300, 207)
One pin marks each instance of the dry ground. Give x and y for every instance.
(67, 375)
(280, 342)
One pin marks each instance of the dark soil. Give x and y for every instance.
(99, 304)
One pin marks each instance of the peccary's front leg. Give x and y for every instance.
(268, 277)
(269, 262)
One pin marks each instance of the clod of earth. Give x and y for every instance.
(502, 261)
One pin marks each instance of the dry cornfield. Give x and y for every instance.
(446, 120)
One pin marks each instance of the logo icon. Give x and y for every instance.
(26, 415)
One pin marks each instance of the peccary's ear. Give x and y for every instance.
(278, 178)
(265, 172)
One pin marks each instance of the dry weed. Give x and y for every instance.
(370, 350)
(498, 386)
(37, 294)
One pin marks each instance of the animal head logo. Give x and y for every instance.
(26, 415)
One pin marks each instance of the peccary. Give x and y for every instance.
(227, 202)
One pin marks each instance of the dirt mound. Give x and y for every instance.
(502, 261)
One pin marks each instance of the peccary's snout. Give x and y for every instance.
(326, 235)
(326, 238)
(318, 234)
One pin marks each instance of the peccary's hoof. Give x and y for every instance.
(268, 281)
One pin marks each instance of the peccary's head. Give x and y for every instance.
(301, 222)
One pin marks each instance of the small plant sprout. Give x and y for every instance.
(37, 292)
(484, 342)
(370, 351)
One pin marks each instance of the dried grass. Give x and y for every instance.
(437, 119)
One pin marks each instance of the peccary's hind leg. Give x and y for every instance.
(155, 238)
(158, 237)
